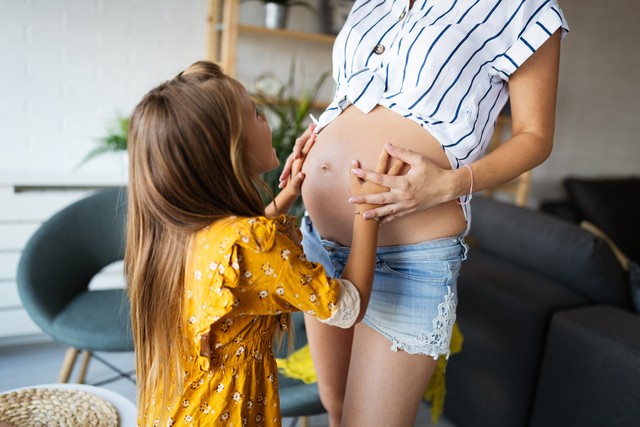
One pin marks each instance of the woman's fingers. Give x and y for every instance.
(389, 212)
(406, 156)
(375, 177)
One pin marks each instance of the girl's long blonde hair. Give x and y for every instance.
(187, 170)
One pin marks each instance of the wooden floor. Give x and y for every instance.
(32, 364)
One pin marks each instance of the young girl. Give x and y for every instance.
(212, 275)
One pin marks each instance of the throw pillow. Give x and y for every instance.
(610, 204)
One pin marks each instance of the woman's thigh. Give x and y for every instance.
(384, 388)
(407, 326)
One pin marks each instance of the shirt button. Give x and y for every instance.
(379, 49)
(402, 15)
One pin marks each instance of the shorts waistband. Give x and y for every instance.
(331, 246)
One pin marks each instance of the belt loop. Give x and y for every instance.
(378, 260)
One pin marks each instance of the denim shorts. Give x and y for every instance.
(414, 298)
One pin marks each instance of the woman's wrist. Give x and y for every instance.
(465, 182)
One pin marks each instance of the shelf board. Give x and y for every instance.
(288, 34)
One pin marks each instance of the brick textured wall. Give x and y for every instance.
(68, 67)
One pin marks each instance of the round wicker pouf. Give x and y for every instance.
(55, 407)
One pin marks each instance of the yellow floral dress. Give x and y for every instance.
(243, 277)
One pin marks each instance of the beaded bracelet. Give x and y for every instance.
(470, 195)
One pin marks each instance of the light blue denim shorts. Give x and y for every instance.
(414, 298)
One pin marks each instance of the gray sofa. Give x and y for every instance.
(550, 336)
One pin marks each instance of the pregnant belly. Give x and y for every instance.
(357, 136)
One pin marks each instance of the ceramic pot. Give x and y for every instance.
(276, 16)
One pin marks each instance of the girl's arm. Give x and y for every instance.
(305, 285)
(291, 185)
(360, 266)
(299, 151)
(285, 198)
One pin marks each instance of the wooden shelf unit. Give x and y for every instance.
(224, 29)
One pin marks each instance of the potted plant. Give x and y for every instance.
(276, 11)
(115, 141)
(289, 117)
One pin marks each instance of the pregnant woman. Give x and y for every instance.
(424, 80)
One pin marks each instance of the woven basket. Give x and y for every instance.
(53, 407)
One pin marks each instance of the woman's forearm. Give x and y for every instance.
(521, 153)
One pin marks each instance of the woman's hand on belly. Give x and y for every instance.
(354, 135)
(425, 185)
(386, 166)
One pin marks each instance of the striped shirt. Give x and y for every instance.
(444, 64)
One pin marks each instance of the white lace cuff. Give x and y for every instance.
(348, 307)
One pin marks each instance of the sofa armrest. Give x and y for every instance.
(590, 374)
(606, 202)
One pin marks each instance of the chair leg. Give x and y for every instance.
(305, 422)
(67, 365)
(86, 356)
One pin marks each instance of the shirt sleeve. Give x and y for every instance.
(348, 308)
(533, 23)
(281, 279)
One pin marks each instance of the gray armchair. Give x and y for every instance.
(55, 270)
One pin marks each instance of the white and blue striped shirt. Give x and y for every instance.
(444, 64)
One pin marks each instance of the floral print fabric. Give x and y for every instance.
(243, 277)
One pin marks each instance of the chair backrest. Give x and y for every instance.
(68, 250)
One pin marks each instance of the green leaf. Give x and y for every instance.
(114, 140)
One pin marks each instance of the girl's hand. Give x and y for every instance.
(294, 183)
(290, 193)
(300, 150)
(361, 187)
(423, 186)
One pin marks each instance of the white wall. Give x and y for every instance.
(69, 66)
(598, 120)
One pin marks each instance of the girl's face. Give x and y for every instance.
(256, 136)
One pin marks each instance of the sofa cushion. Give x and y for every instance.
(611, 204)
(503, 313)
(551, 247)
